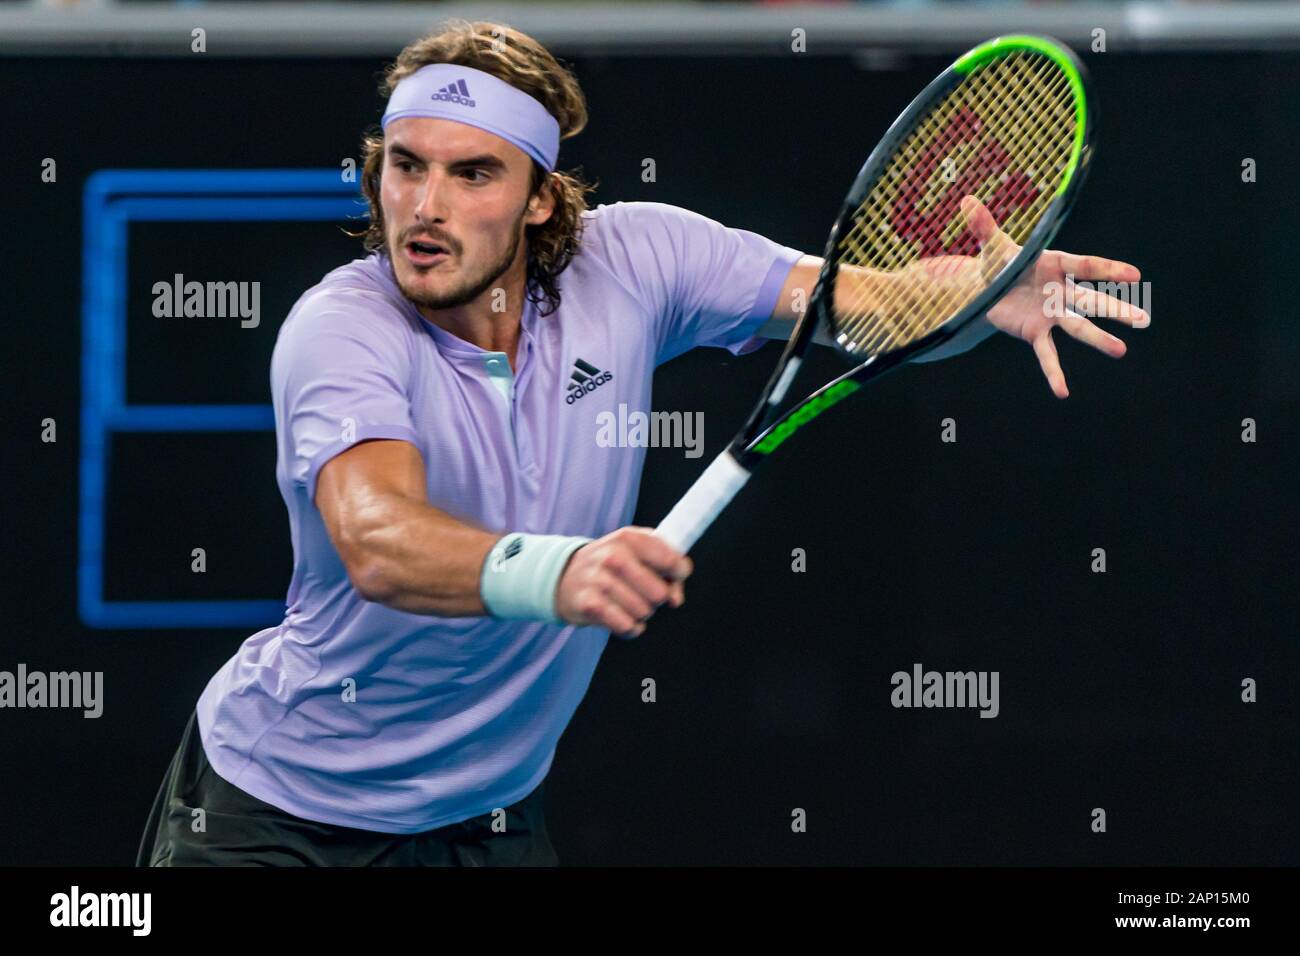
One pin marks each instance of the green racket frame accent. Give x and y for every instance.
(806, 413)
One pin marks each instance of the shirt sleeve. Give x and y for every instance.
(706, 283)
(339, 376)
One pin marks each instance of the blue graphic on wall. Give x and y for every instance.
(113, 199)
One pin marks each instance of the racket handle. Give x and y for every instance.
(705, 500)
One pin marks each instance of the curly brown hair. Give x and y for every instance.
(525, 64)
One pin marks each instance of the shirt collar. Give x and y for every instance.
(454, 347)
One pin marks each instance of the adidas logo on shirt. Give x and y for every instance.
(585, 378)
(456, 92)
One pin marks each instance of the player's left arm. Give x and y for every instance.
(1029, 312)
(793, 301)
(796, 295)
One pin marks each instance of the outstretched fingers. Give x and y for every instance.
(1097, 303)
(1050, 362)
(1097, 268)
(1080, 328)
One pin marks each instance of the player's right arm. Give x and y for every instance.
(399, 550)
(402, 552)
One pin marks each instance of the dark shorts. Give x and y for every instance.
(241, 830)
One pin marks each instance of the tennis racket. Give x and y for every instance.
(1009, 123)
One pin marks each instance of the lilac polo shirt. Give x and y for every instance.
(352, 713)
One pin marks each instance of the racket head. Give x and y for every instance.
(1010, 122)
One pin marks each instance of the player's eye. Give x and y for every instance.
(477, 171)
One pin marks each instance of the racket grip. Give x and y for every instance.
(712, 492)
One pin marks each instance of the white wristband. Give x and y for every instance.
(521, 573)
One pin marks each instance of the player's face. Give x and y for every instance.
(455, 201)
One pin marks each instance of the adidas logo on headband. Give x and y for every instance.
(456, 92)
(441, 91)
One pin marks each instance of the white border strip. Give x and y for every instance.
(313, 29)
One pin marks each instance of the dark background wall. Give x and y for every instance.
(1119, 691)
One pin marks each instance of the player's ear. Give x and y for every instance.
(541, 204)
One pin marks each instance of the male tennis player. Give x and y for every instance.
(461, 540)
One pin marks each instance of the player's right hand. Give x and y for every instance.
(619, 580)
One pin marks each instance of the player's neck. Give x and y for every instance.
(476, 322)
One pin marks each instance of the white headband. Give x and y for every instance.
(466, 95)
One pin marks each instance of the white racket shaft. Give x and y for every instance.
(705, 500)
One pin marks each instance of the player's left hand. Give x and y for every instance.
(1033, 306)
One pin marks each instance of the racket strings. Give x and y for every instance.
(1004, 135)
(908, 158)
(1006, 97)
(945, 283)
(908, 316)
